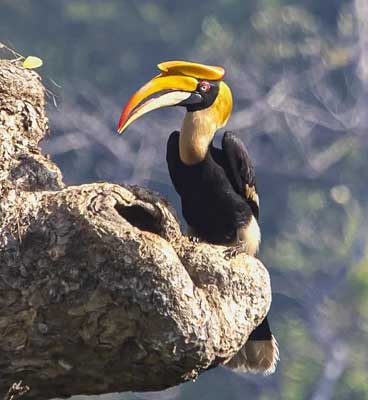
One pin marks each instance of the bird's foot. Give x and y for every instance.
(194, 239)
(233, 251)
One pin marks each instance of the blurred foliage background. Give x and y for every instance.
(299, 74)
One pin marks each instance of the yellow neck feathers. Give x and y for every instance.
(197, 131)
(199, 127)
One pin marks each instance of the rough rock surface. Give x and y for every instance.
(99, 289)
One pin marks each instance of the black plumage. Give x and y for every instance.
(213, 195)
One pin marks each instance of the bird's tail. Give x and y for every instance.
(260, 353)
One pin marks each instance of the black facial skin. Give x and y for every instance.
(199, 99)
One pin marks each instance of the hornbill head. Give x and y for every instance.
(182, 83)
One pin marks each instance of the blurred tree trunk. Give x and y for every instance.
(99, 290)
(361, 11)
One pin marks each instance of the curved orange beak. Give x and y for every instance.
(174, 89)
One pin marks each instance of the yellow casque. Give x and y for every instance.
(195, 70)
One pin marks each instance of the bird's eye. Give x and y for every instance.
(204, 86)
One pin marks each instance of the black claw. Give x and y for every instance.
(233, 251)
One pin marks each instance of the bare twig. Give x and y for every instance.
(17, 390)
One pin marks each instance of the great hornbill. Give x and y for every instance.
(217, 186)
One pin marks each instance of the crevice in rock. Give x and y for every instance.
(139, 217)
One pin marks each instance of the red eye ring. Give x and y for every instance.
(204, 86)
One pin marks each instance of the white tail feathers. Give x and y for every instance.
(256, 356)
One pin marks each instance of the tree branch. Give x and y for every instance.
(99, 290)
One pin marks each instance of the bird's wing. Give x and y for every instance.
(173, 161)
(240, 170)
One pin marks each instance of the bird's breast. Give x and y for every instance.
(210, 205)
